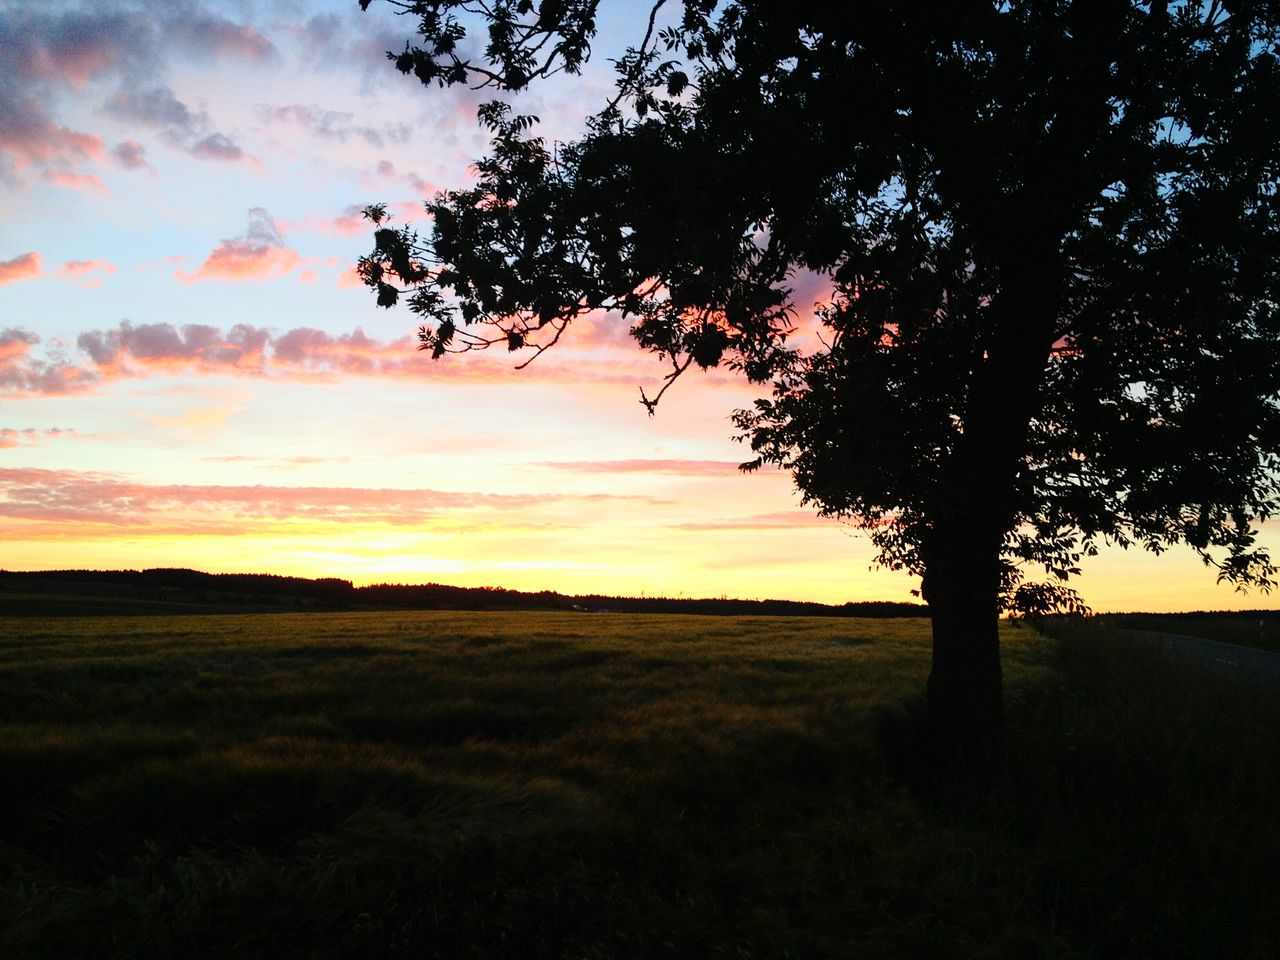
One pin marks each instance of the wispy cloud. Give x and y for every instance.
(10, 437)
(684, 468)
(158, 107)
(88, 273)
(782, 520)
(336, 125)
(69, 496)
(276, 463)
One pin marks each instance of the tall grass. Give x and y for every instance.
(577, 785)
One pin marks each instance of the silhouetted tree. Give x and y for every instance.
(1052, 235)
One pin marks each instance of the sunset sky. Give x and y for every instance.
(190, 376)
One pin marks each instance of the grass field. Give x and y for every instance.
(579, 785)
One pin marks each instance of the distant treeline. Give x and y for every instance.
(1194, 614)
(192, 588)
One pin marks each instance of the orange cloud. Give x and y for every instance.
(84, 270)
(19, 268)
(349, 278)
(258, 255)
(233, 261)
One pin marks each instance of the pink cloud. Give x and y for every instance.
(302, 353)
(77, 181)
(10, 437)
(601, 329)
(424, 188)
(75, 497)
(311, 350)
(81, 268)
(350, 222)
(36, 140)
(129, 349)
(16, 344)
(19, 268)
(13, 438)
(236, 260)
(74, 66)
(258, 255)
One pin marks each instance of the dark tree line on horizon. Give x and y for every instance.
(332, 593)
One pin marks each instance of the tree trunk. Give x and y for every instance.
(965, 687)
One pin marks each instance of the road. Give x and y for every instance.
(1227, 659)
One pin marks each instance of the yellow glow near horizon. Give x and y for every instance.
(756, 566)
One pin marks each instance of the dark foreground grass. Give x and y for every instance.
(498, 785)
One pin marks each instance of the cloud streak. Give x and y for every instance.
(9, 437)
(335, 125)
(88, 273)
(71, 180)
(782, 520)
(682, 468)
(82, 497)
(131, 351)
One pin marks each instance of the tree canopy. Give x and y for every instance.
(1051, 231)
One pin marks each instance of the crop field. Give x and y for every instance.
(424, 784)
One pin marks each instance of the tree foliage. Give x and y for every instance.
(1051, 231)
